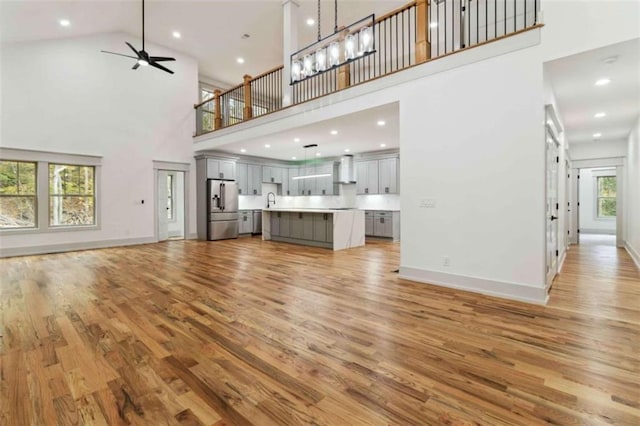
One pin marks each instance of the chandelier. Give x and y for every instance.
(342, 47)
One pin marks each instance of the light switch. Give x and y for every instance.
(428, 203)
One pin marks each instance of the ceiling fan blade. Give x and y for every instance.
(133, 48)
(160, 67)
(119, 54)
(135, 67)
(161, 58)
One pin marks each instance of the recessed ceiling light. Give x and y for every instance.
(381, 123)
(597, 135)
(382, 145)
(310, 21)
(603, 81)
(347, 150)
(243, 150)
(176, 34)
(334, 132)
(267, 146)
(296, 139)
(64, 22)
(293, 158)
(318, 154)
(600, 114)
(433, 25)
(240, 60)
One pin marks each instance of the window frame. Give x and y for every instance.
(597, 196)
(42, 160)
(171, 189)
(17, 195)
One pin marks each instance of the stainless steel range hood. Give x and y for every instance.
(347, 170)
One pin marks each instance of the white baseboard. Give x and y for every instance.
(633, 253)
(60, 248)
(506, 290)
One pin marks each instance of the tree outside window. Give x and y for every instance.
(208, 110)
(17, 194)
(71, 195)
(606, 187)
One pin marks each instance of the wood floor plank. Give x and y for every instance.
(247, 331)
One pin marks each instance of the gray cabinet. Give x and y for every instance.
(388, 176)
(296, 222)
(293, 188)
(325, 185)
(323, 227)
(385, 224)
(272, 174)
(285, 225)
(275, 224)
(367, 177)
(307, 186)
(254, 179)
(221, 169)
(368, 223)
(245, 219)
(241, 178)
(307, 228)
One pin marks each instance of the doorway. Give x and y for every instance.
(552, 204)
(170, 205)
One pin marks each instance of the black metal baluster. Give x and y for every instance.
(525, 14)
(514, 15)
(495, 18)
(486, 20)
(535, 12)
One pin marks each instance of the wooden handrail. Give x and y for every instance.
(268, 72)
(396, 12)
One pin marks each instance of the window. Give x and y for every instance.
(170, 197)
(71, 195)
(208, 110)
(17, 194)
(606, 196)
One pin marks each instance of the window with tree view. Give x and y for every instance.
(17, 194)
(71, 195)
(606, 187)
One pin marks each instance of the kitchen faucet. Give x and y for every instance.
(274, 199)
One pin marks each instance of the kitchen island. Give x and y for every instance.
(336, 229)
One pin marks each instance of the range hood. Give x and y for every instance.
(347, 170)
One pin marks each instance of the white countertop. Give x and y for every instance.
(293, 209)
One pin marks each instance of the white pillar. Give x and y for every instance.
(289, 45)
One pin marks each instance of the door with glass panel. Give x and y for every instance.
(552, 207)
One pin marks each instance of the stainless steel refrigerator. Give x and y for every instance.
(223, 209)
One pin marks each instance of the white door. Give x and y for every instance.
(552, 206)
(163, 206)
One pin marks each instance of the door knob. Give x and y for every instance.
(554, 217)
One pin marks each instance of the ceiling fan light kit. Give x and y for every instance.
(142, 57)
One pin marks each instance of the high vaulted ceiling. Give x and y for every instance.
(211, 31)
(580, 99)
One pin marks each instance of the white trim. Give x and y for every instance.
(514, 291)
(17, 154)
(597, 162)
(635, 256)
(60, 248)
(562, 259)
(171, 166)
(598, 231)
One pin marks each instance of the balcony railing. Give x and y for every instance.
(416, 33)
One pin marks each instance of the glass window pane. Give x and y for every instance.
(64, 211)
(17, 212)
(27, 178)
(8, 177)
(606, 207)
(71, 180)
(607, 186)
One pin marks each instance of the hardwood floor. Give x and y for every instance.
(252, 332)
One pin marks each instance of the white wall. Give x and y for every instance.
(589, 221)
(600, 149)
(574, 26)
(65, 96)
(632, 194)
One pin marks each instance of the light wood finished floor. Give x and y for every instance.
(252, 332)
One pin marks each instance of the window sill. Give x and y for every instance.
(47, 230)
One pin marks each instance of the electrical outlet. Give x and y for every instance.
(446, 261)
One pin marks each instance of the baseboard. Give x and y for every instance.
(562, 259)
(193, 236)
(633, 253)
(60, 248)
(597, 231)
(506, 290)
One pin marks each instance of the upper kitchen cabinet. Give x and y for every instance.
(367, 177)
(292, 187)
(326, 185)
(272, 174)
(254, 179)
(242, 179)
(221, 169)
(388, 176)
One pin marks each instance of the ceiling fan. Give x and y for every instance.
(142, 57)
